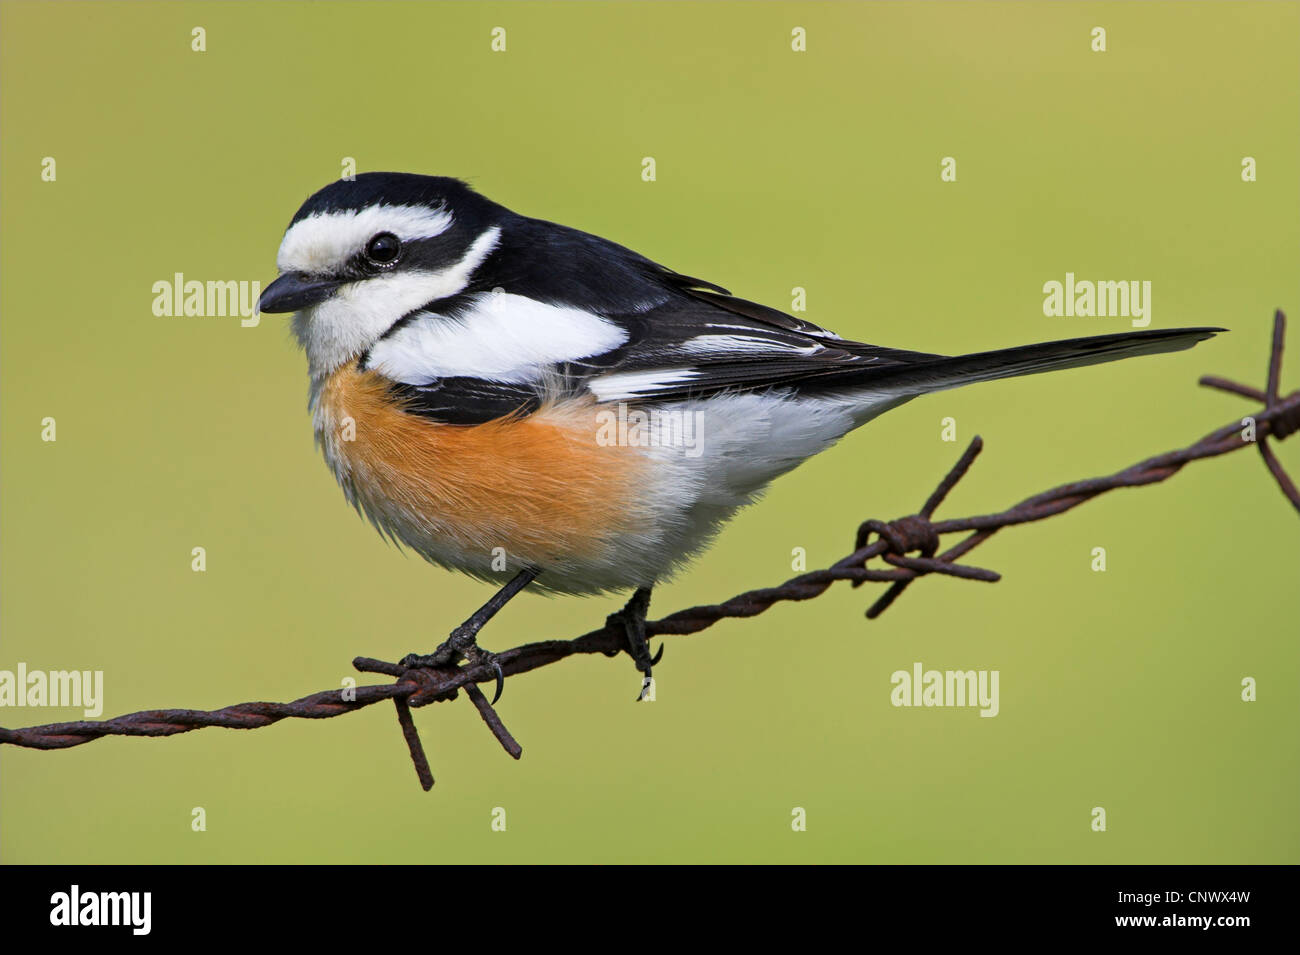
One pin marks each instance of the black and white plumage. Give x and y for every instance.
(486, 315)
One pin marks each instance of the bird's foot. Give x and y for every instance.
(463, 642)
(631, 621)
(461, 645)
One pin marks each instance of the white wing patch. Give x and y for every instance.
(321, 243)
(723, 345)
(628, 385)
(504, 337)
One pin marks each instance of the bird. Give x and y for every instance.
(537, 406)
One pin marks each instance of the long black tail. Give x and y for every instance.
(938, 374)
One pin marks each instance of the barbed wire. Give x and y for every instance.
(894, 540)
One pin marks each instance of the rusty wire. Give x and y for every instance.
(894, 540)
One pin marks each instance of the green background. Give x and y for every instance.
(775, 169)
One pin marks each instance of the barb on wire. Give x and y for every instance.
(894, 540)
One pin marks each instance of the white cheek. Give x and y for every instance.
(354, 318)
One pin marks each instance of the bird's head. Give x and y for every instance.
(363, 253)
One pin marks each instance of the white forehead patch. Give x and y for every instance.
(322, 242)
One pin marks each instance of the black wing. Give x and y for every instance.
(703, 341)
(687, 338)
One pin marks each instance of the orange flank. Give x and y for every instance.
(538, 485)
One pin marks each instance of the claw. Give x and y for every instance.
(501, 682)
(658, 656)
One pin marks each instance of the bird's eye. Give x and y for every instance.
(383, 249)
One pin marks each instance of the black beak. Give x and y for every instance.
(295, 290)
